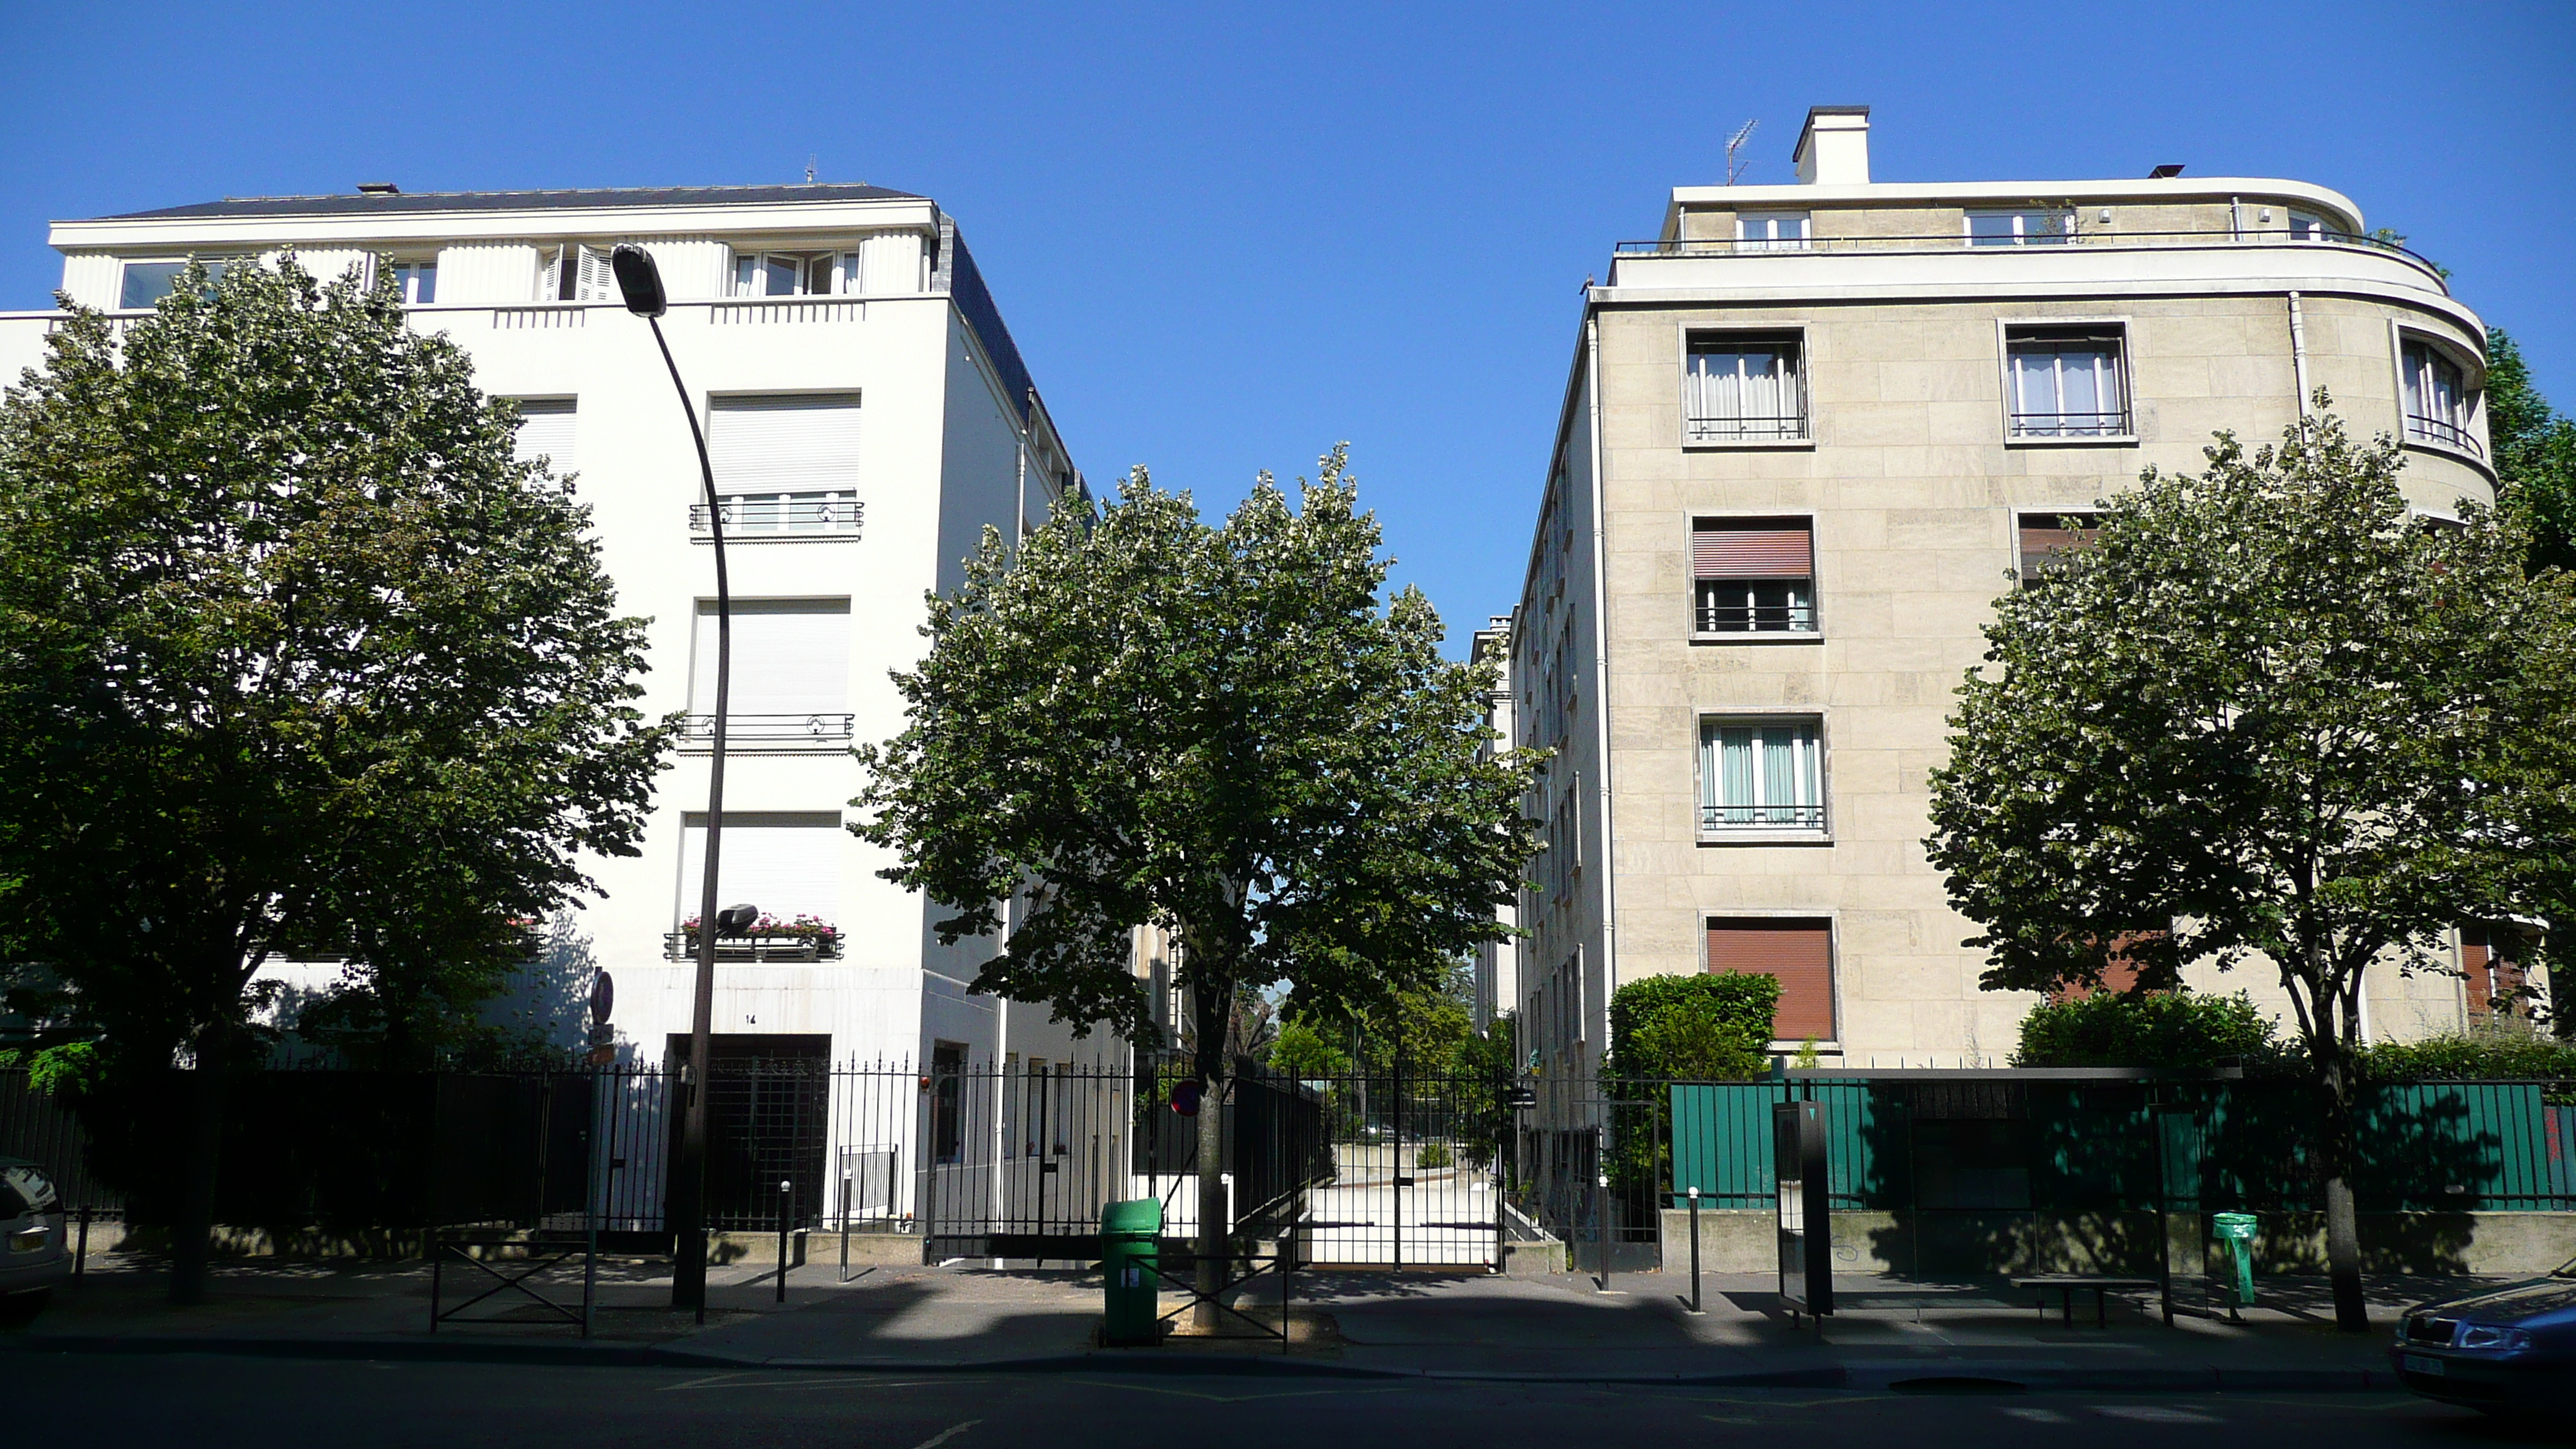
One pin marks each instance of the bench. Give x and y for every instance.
(2069, 1284)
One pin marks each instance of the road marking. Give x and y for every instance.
(944, 1435)
(1786, 1403)
(2038, 1416)
(2154, 1414)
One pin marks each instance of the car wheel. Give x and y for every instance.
(20, 1309)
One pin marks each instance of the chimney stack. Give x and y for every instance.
(1833, 148)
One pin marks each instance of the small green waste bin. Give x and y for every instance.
(1132, 1312)
(2236, 1230)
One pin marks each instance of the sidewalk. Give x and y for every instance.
(1352, 1323)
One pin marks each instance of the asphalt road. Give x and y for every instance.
(163, 1400)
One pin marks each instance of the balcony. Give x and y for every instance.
(837, 514)
(2107, 257)
(768, 731)
(756, 948)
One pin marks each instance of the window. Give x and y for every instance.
(947, 1101)
(1798, 953)
(2066, 382)
(416, 282)
(2020, 228)
(790, 680)
(786, 463)
(1739, 388)
(546, 428)
(786, 863)
(572, 273)
(2491, 960)
(2437, 397)
(145, 283)
(794, 274)
(1752, 575)
(1760, 775)
(2308, 226)
(1771, 231)
(2046, 537)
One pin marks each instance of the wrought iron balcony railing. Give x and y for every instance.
(1778, 427)
(2444, 431)
(1755, 618)
(770, 731)
(1719, 818)
(2109, 424)
(757, 513)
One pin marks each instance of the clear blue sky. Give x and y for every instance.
(1226, 236)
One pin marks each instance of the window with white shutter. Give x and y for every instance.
(786, 463)
(790, 678)
(574, 273)
(546, 428)
(787, 863)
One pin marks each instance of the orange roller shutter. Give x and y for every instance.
(1799, 953)
(1752, 549)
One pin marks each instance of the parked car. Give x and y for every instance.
(37, 1254)
(2509, 1351)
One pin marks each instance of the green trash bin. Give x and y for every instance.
(1132, 1310)
(2236, 1230)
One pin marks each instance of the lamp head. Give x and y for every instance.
(737, 920)
(638, 280)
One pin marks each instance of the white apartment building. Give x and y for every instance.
(868, 417)
(1808, 432)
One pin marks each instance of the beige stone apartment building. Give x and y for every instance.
(1809, 433)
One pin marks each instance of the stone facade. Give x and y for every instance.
(1911, 483)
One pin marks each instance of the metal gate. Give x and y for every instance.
(1416, 1173)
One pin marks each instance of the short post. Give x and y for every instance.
(80, 1246)
(786, 1196)
(1694, 1232)
(1601, 1225)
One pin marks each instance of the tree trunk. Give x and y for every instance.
(201, 1146)
(2343, 1235)
(1214, 1002)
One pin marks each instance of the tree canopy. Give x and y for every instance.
(296, 658)
(1138, 717)
(2535, 454)
(2267, 716)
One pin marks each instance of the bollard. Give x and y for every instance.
(80, 1251)
(786, 1191)
(1694, 1222)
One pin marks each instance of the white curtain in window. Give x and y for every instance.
(546, 427)
(1745, 390)
(2068, 387)
(790, 657)
(2433, 392)
(1761, 774)
(792, 444)
(788, 863)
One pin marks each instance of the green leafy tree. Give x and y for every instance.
(2535, 454)
(1138, 717)
(2270, 712)
(1305, 1052)
(2147, 1029)
(295, 658)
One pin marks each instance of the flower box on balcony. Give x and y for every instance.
(805, 938)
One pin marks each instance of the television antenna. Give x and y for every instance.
(1735, 168)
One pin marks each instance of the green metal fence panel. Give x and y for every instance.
(2238, 1146)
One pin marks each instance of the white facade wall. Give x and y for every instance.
(942, 455)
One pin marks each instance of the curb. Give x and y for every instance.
(1926, 1378)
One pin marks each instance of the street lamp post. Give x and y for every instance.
(639, 281)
